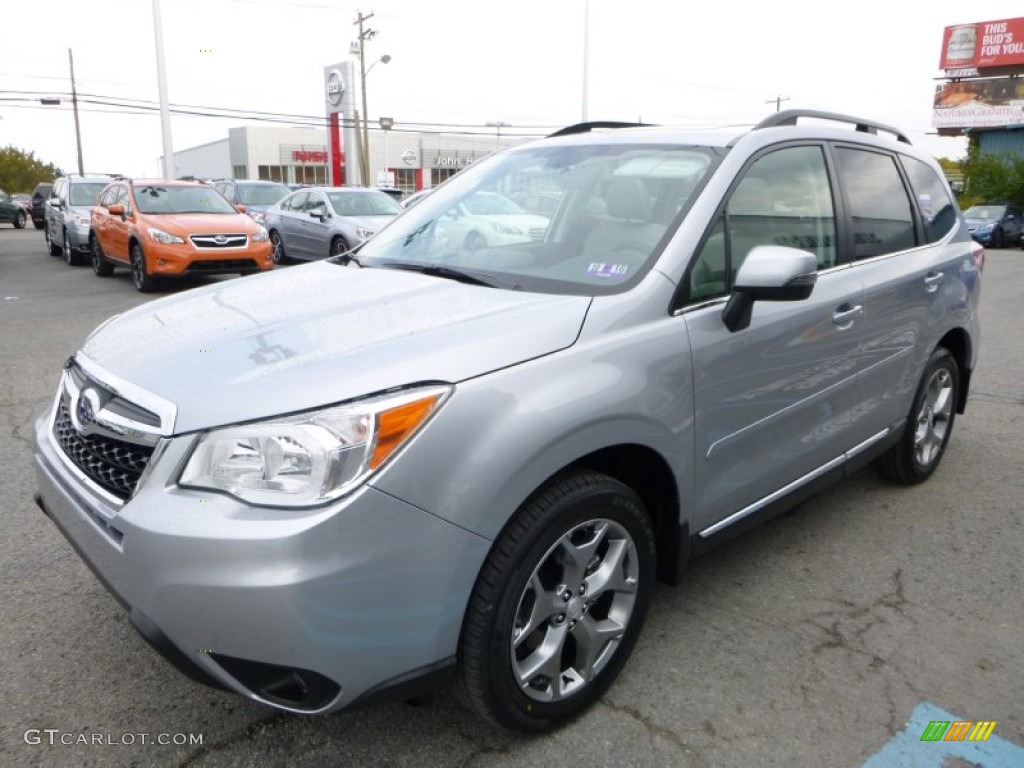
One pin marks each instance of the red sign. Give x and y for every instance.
(309, 156)
(984, 45)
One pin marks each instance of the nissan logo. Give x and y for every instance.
(335, 87)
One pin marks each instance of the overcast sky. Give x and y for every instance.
(465, 63)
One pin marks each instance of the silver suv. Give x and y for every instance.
(67, 212)
(429, 459)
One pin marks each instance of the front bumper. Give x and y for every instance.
(308, 612)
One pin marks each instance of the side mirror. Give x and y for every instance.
(318, 213)
(769, 273)
(116, 210)
(240, 208)
(54, 201)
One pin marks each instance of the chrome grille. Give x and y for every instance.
(238, 240)
(112, 464)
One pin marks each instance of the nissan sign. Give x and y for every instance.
(335, 87)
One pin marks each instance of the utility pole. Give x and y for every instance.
(778, 102)
(586, 56)
(74, 106)
(161, 79)
(364, 156)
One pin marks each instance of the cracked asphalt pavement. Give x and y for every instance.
(808, 641)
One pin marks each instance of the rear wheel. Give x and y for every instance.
(19, 220)
(100, 265)
(38, 224)
(929, 423)
(141, 277)
(558, 604)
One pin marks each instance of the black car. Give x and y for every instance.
(12, 211)
(40, 195)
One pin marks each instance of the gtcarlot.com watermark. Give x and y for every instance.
(56, 737)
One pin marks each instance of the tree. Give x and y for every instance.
(995, 177)
(21, 171)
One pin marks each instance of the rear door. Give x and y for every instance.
(901, 214)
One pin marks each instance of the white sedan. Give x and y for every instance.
(488, 219)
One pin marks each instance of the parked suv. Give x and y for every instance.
(67, 213)
(995, 225)
(162, 228)
(359, 477)
(256, 195)
(40, 195)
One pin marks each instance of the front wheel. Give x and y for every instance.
(558, 604)
(100, 265)
(51, 246)
(929, 423)
(141, 277)
(19, 220)
(279, 256)
(71, 256)
(339, 246)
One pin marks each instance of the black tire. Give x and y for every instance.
(929, 424)
(339, 246)
(475, 242)
(100, 266)
(19, 220)
(142, 279)
(38, 224)
(278, 255)
(529, 575)
(71, 256)
(53, 248)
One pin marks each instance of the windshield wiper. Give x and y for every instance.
(436, 270)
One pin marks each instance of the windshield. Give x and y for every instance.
(366, 203)
(86, 193)
(604, 212)
(986, 212)
(261, 194)
(171, 198)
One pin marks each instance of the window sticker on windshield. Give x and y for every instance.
(613, 271)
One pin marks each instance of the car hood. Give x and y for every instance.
(193, 223)
(318, 334)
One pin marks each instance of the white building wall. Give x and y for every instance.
(207, 161)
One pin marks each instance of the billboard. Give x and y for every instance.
(983, 45)
(993, 103)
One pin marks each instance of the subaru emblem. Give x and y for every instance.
(220, 240)
(85, 409)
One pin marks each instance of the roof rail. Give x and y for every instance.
(790, 116)
(587, 127)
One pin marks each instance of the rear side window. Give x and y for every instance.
(938, 211)
(880, 208)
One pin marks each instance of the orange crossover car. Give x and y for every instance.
(166, 228)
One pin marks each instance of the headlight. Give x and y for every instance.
(258, 216)
(364, 233)
(163, 237)
(985, 227)
(312, 458)
(261, 235)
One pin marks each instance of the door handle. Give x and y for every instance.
(932, 281)
(845, 315)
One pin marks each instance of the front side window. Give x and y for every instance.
(783, 198)
(880, 208)
(617, 204)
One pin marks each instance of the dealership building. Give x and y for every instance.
(409, 160)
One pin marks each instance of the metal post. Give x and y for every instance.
(161, 77)
(74, 106)
(586, 56)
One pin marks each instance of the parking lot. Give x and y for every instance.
(811, 641)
